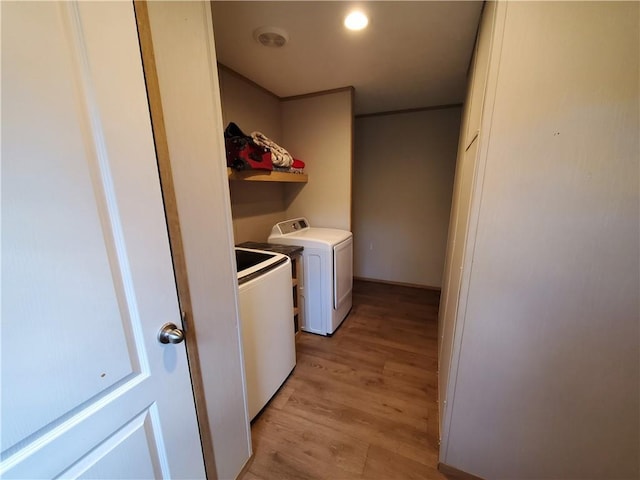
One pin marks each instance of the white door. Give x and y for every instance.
(87, 282)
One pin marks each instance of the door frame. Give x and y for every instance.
(212, 400)
(173, 227)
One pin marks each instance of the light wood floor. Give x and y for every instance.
(362, 403)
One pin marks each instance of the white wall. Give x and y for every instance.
(185, 60)
(403, 179)
(249, 106)
(318, 130)
(255, 206)
(547, 345)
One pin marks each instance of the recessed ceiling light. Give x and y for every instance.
(356, 20)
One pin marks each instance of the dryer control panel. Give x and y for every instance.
(290, 226)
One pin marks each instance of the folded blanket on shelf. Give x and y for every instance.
(243, 153)
(279, 156)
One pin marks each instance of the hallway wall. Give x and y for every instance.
(403, 181)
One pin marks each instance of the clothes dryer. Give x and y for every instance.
(327, 276)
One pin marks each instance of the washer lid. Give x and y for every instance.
(252, 263)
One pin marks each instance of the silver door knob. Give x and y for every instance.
(169, 333)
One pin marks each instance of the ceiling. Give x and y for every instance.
(413, 54)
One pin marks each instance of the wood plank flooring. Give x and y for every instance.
(362, 403)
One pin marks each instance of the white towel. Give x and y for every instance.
(279, 156)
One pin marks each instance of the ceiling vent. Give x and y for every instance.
(271, 36)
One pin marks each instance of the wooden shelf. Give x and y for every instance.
(266, 176)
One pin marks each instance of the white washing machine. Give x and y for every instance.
(327, 277)
(266, 316)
